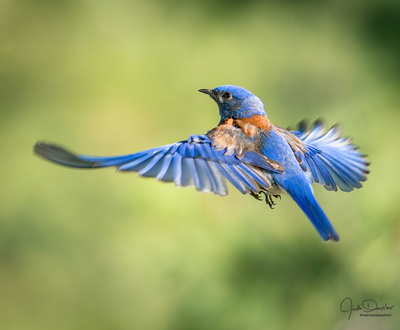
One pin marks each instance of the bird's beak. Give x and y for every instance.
(205, 91)
(210, 92)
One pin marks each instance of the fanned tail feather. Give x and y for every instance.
(317, 216)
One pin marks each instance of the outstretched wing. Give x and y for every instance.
(195, 161)
(331, 160)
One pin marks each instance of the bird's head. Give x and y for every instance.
(235, 102)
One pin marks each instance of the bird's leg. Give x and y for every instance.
(256, 196)
(269, 200)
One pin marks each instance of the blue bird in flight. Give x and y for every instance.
(254, 155)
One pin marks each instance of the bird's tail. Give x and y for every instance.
(64, 157)
(314, 212)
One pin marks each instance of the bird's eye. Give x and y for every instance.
(227, 96)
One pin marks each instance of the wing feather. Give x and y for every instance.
(194, 162)
(331, 160)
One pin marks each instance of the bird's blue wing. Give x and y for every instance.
(331, 160)
(186, 163)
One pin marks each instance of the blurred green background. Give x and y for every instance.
(104, 250)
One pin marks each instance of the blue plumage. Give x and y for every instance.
(254, 155)
(333, 161)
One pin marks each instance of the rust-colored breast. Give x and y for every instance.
(251, 126)
(261, 122)
(239, 135)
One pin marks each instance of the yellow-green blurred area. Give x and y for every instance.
(83, 249)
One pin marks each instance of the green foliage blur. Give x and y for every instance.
(104, 250)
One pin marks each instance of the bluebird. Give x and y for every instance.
(257, 157)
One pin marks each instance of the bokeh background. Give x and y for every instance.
(104, 250)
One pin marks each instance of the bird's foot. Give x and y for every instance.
(257, 196)
(268, 198)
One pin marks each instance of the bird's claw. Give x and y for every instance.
(256, 195)
(269, 201)
(268, 198)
